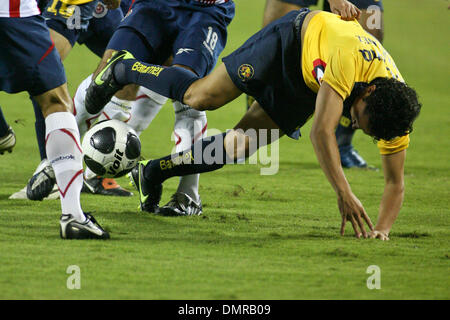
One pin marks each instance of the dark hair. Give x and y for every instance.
(392, 108)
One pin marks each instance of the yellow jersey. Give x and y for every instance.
(76, 2)
(342, 53)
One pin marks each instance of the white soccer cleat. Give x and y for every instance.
(8, 141)
(70, 228)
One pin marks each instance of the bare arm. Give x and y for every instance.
(329, 106)
(391, 202)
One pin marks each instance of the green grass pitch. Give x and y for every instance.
(260, 237)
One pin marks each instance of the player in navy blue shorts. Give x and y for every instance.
(29, 62)
(370, 17)
(90, 23)
(194, 33)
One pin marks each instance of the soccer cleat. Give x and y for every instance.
(104, 86)
(8, 141)
(41, 183)
(149, 195)
(181, 204)
(104, 186)
(70, 228)
(350, 158)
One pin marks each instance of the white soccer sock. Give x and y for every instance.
(64, 153)
(190, 126)
(116, 108)
(84, 118)
(144, 109)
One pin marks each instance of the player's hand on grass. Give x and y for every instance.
(352, 210)
(378, 235)
(111, 4)
(345, 9)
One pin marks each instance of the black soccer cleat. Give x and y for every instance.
(149, 195)
(41, 184)
(105, 187)
(181, 204)
(104, 85)
(89, 229)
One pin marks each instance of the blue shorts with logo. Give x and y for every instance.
(95, 26)
(29, 60)
(361, 4)
(268, 67)
(192, 33)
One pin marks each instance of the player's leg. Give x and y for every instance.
(205, 155)
(200, 39)
(224, 84)
(65, 26)
(30, 38)
(7, 136)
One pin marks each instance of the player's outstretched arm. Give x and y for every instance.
(393, 167)
(329, 106)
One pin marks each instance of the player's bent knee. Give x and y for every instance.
(200, 98)
(55, 100)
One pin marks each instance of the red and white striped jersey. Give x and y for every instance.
(18, 8)
(212, 1)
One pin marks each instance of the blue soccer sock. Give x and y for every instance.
(39, 127)
(344, 135)
(171, 82)
(4, 126)
(204, 155)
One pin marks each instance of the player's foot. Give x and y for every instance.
(41, 183)
(104, 85)
(104, 186)
(350, 158)
(181, 204)
(8, 141)
(149, 194)
(70, 228)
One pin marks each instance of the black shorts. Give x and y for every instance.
(268, 67)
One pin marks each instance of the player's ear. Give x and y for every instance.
(369, 90)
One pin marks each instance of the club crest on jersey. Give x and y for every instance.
(319, 70)
(100, 10)
(246, 72)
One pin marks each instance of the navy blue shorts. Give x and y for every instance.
(67, 20)
(361, 4)
(268, 67)
(193, 34)
(101, 28)
(29, 60)
(97, 24)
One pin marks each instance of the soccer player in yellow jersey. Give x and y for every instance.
(370, 16)
(302, 64)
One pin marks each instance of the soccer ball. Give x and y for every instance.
(111, 148)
